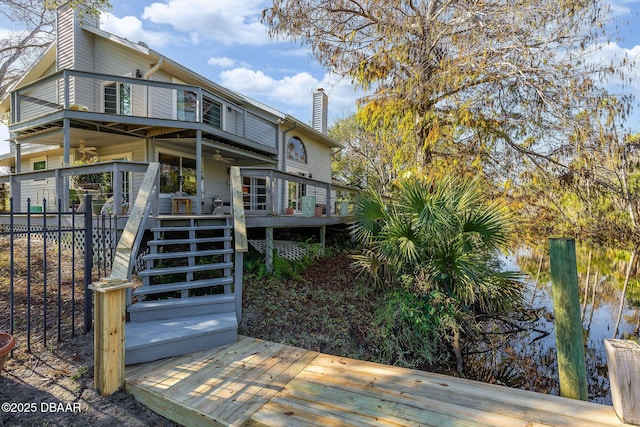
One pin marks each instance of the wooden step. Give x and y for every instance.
(192, 228)
(164, 242)
(171, 308)
(147, 341)
(172, 287)
(184, 269)
(186, 254)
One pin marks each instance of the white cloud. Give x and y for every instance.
(226, 62)
(257, 83)
(628, 60)
(221, 61)
(298, 52)
(290, 93)
(229, 22)
(131, 29)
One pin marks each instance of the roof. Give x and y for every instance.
(179, 71)
(44, 61)
(308, 130)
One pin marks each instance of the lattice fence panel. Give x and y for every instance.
(286, 249)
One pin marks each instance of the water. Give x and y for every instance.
(527, 358)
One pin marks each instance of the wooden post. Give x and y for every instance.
(110, 316)
(268, 249)
(323, 237)
(623, 363)
(567, 319)
(239, 235)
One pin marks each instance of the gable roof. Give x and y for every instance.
(39, 67)
(174, 68)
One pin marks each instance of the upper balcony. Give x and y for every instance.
(136, 107)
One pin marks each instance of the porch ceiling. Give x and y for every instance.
(237, 156)
(90, 138)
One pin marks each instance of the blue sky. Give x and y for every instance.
(224, 41)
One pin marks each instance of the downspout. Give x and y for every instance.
(146, 76)
(153, 69)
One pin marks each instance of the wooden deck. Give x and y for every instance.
(255, 383)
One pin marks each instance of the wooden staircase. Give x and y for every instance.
(186, 302)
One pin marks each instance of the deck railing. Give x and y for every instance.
(271, 192)
(103, 97)
(64, 186)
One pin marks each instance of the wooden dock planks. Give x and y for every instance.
(227, 384)
(255, 383)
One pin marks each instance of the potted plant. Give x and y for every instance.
(97, 184)
(90, 181)
(7, 342)
(289, 210)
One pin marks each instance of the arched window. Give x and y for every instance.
(296, 150)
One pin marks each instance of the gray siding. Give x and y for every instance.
(75, 51)
(234, 121)
(318, 165)
(260, 131)
(318, 159)
(216, 182)
(41, 189)
(117, 60)
(39, 100)
(37, 190)
(65, 42)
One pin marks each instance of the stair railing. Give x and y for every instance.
(131, 237)
(112, 293)
(239, 235)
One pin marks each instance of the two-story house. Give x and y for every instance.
(96, 107)
(93, 95)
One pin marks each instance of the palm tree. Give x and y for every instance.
(440, 236)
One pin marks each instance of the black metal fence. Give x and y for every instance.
(48, 259)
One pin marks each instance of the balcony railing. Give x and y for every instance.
(64, 184)
(271, 192)
(128, 98)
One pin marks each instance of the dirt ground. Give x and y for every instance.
(53, 386)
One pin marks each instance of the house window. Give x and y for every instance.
(254, 193)
(39, 164)
(117, 98)
(296, 150)
(187, 105)
(177, 173)
(296, 191)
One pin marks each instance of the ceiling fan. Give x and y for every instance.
(220, 158)
(84, 150)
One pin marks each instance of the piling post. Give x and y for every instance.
(623, 364)
(110, 313)
(567, 319)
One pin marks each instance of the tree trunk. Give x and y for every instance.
(457, 349)
(593, 298)
(624, 292)
(586, 285)
(535, 290)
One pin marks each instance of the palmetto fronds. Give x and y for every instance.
(447, 231)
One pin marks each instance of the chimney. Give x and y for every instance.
(72, 42)
(319, 115)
